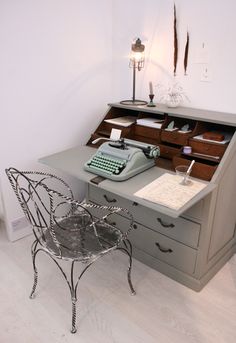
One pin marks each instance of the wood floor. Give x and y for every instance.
(163, 311)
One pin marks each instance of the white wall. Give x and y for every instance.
(208, 21)
(55, 67)
(56, 76)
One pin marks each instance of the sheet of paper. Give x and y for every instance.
(166, 190)
(115, 134)
(121, 121)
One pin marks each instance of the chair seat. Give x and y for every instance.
(77, 238)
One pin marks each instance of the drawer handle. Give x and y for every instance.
(110, 223)
(135, 226)
(165, 250)
(107, 199)
(135, 203)
(164, 224)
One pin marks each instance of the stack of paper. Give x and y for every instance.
(121, 121)
(150, 122)
(168, 191)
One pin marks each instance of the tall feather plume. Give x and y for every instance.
(175, 42)
(186, 54)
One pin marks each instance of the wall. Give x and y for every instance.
(56, 76)
(209, 22)
(55, 67)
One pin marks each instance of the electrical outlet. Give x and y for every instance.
(202, 54)
(19, 224)
(205, 74)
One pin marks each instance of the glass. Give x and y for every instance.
(181, 171)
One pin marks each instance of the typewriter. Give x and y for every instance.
(122, 159)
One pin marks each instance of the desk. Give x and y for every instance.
(71, 161)
(189, 245)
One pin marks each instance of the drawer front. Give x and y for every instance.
(174, 137)
(103, 197)
(164, 249)
(207, 148)
(200, 170)
(180, 229)
(145, 131)
(168, 151)
(114, 219)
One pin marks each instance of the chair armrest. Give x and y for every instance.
(86, 206)
(112, 210)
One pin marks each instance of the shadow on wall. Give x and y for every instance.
(89, 75)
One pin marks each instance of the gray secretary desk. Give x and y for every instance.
(189, 245)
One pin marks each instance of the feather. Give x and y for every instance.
(175, 42)
(186, 54)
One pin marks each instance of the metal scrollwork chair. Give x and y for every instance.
(66, 229)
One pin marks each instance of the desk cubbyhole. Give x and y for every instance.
(182, 130)
(201, 169)
(148, 127)
(169, 150)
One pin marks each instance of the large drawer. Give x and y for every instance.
(164, 248)
(180, 229)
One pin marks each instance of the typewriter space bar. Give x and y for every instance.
(96, 169)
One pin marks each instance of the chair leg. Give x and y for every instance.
(128, 251)
(129, 276)
(73, 326)
(73, 291)
(34, 252)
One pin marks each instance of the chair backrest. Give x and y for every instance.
(58, 221)
(45, 199)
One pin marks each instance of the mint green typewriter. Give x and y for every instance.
(122, 159)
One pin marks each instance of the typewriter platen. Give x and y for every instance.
(122, 159)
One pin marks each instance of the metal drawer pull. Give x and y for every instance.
(107, 199)
(109, 222)
(164, 224)
(165, 250)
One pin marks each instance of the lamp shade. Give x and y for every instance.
(137, 55)
(136, 63)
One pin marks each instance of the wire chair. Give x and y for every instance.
(66, 229)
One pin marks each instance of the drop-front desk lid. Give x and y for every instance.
(72, 162)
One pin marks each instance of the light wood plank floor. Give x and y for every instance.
(163, 311)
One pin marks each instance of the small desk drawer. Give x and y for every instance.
(180, 229)
(174, 137)
(145, 131)
(208, 148)
(168, 151)
(164, 249)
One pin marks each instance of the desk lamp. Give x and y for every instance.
(137, 63)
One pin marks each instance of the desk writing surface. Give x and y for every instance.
(72, 161)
